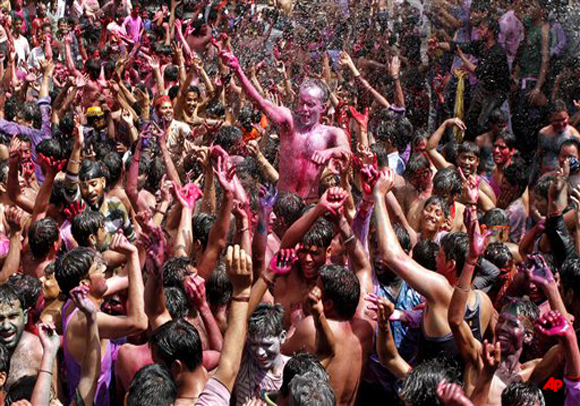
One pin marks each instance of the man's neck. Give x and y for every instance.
(190, 384)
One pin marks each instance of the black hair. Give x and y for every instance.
(11, 108)
(173, 91)
(85, 224)
(202, 225)
(450, 151)
(266, 321)
(218, 288)
(418, 388)
(320, 234)
(416, 163)
(170, 73)
(228, 137)
(468, 147)
(152, 386)
(455, 247)
(73, 267)
(497, 116)
(306, 390)
(31, 112)
(570, 142)
(175, 271)
(300, 364)
(177, 340)
(92, 170)
(176, 302)
(498, 254)
(93, 68)
(58, 193)
(492, 25)
(289, 207)
(438, 200)
(522, 309)
(341, 286)
(517, 176)
(114, 164)
(425, 254)
(543, 185)
(570, 275)
(21, 389)
(557, 106)
(215, 109)
(447, 182)
(4, 167)
(27, 288)
(522, 394)
(42, 236)
(50, 148)
(495, 217)
(403, 237)
(4, 359)
(194, 89)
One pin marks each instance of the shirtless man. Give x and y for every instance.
(305, 144)
(25, 347)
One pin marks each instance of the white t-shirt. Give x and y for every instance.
(22, 49)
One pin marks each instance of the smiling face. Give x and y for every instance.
(191, 100)
(432, 217)
(166, 110)
(266, 350)
(12, 321)
(509, 331)
(559, 121)
(92, 191)
(311, 259)
(310, 106)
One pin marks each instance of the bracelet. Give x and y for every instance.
(461, 289)
(349, 239)
(471, 263)
(45, 371)
(572, 378)
(74, 161)
(179, 246)
(242, 299)
(160, 211)
(241, 230)
(395, 77)
(267, 280)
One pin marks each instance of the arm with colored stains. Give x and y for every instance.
(438, 160)
(345, 60)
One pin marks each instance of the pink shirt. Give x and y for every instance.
(133, 27)
(214, 394)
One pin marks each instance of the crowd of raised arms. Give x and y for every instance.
(289, 202)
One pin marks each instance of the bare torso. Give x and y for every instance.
(26, 358)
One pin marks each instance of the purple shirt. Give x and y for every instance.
(214, 394)
(510, 35)
(35, 136)
(133, 27)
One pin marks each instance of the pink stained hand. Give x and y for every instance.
(553, 324)
(195, 288)
(283, 261)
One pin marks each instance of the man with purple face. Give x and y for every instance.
(305, 144)
(262, 363)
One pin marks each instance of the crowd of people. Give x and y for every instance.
(294, 202)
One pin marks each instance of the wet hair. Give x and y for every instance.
(517, 175)
(508, 137)
(73, 267)
(289, 207)
(170, 73)
(4, 359)
(497, 116)
(202, 225)
(416, 163)
(341, 286)
(570, 275)
(92, 170)
(50, 148)
(543, 185)
(447, 182)
(438, 200)
(31, 112)
(58, 193)
(522, 394)
(425, 254)
(8, 295)
(468, 147)
(387, 131)
(152, 385)
(524, 309)
(215, 109)
(177, 340)
(495, 217)
(21, 389)
(228, 137)
(455, 247)
(571, 142)
(418, 388)
(42, 236)
(93, 68)
(175, 271)
(114, 164)
(300, 364)
(557, 106)
(86, 224)
(27, 288)
(194, 89)
(320, 234)
(498, 254)
(403, 237)
(176, 302)
(492, 25)
(266, 321)
(450, 151)
(310, 83)
(11, 107)
(218, 288)
(306, 390)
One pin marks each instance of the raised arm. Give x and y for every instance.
(345, 60)
(195, 288)
(12, 260)
(431, 285)
(325, 338)
(435, 138)
(50, 341)
(281, 116)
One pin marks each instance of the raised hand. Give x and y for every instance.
(368, 177)
(47, 66)
(253, 148)
(127, 118)
(81, 81)
(230, 60)
(195, 288)
(385, 182)
(491, 356)
(456, 122)
(362, 119)
(470, 187)
(49, 338)
(122, 245)
(333, 200)
(225, 172)
(73, 209)
(452, 394)
(14, 219)
(322, 157)
(15, 149)
(314, 301)
(538, 271)
(394, 66)
(187, 195)
(344, 59)
(384, 310)
(79, 297)
(283, 261)
(267, 196)
(239, 268)
(553, 324)
(51, 164)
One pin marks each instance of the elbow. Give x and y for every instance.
(139, 323)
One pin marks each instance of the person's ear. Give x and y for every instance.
(328, 305)
(93, 240)
(25, 317)
(328, 251)
(177, 367)
(528, 336)
(283, 337)
(2, 187)
(104, 182)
